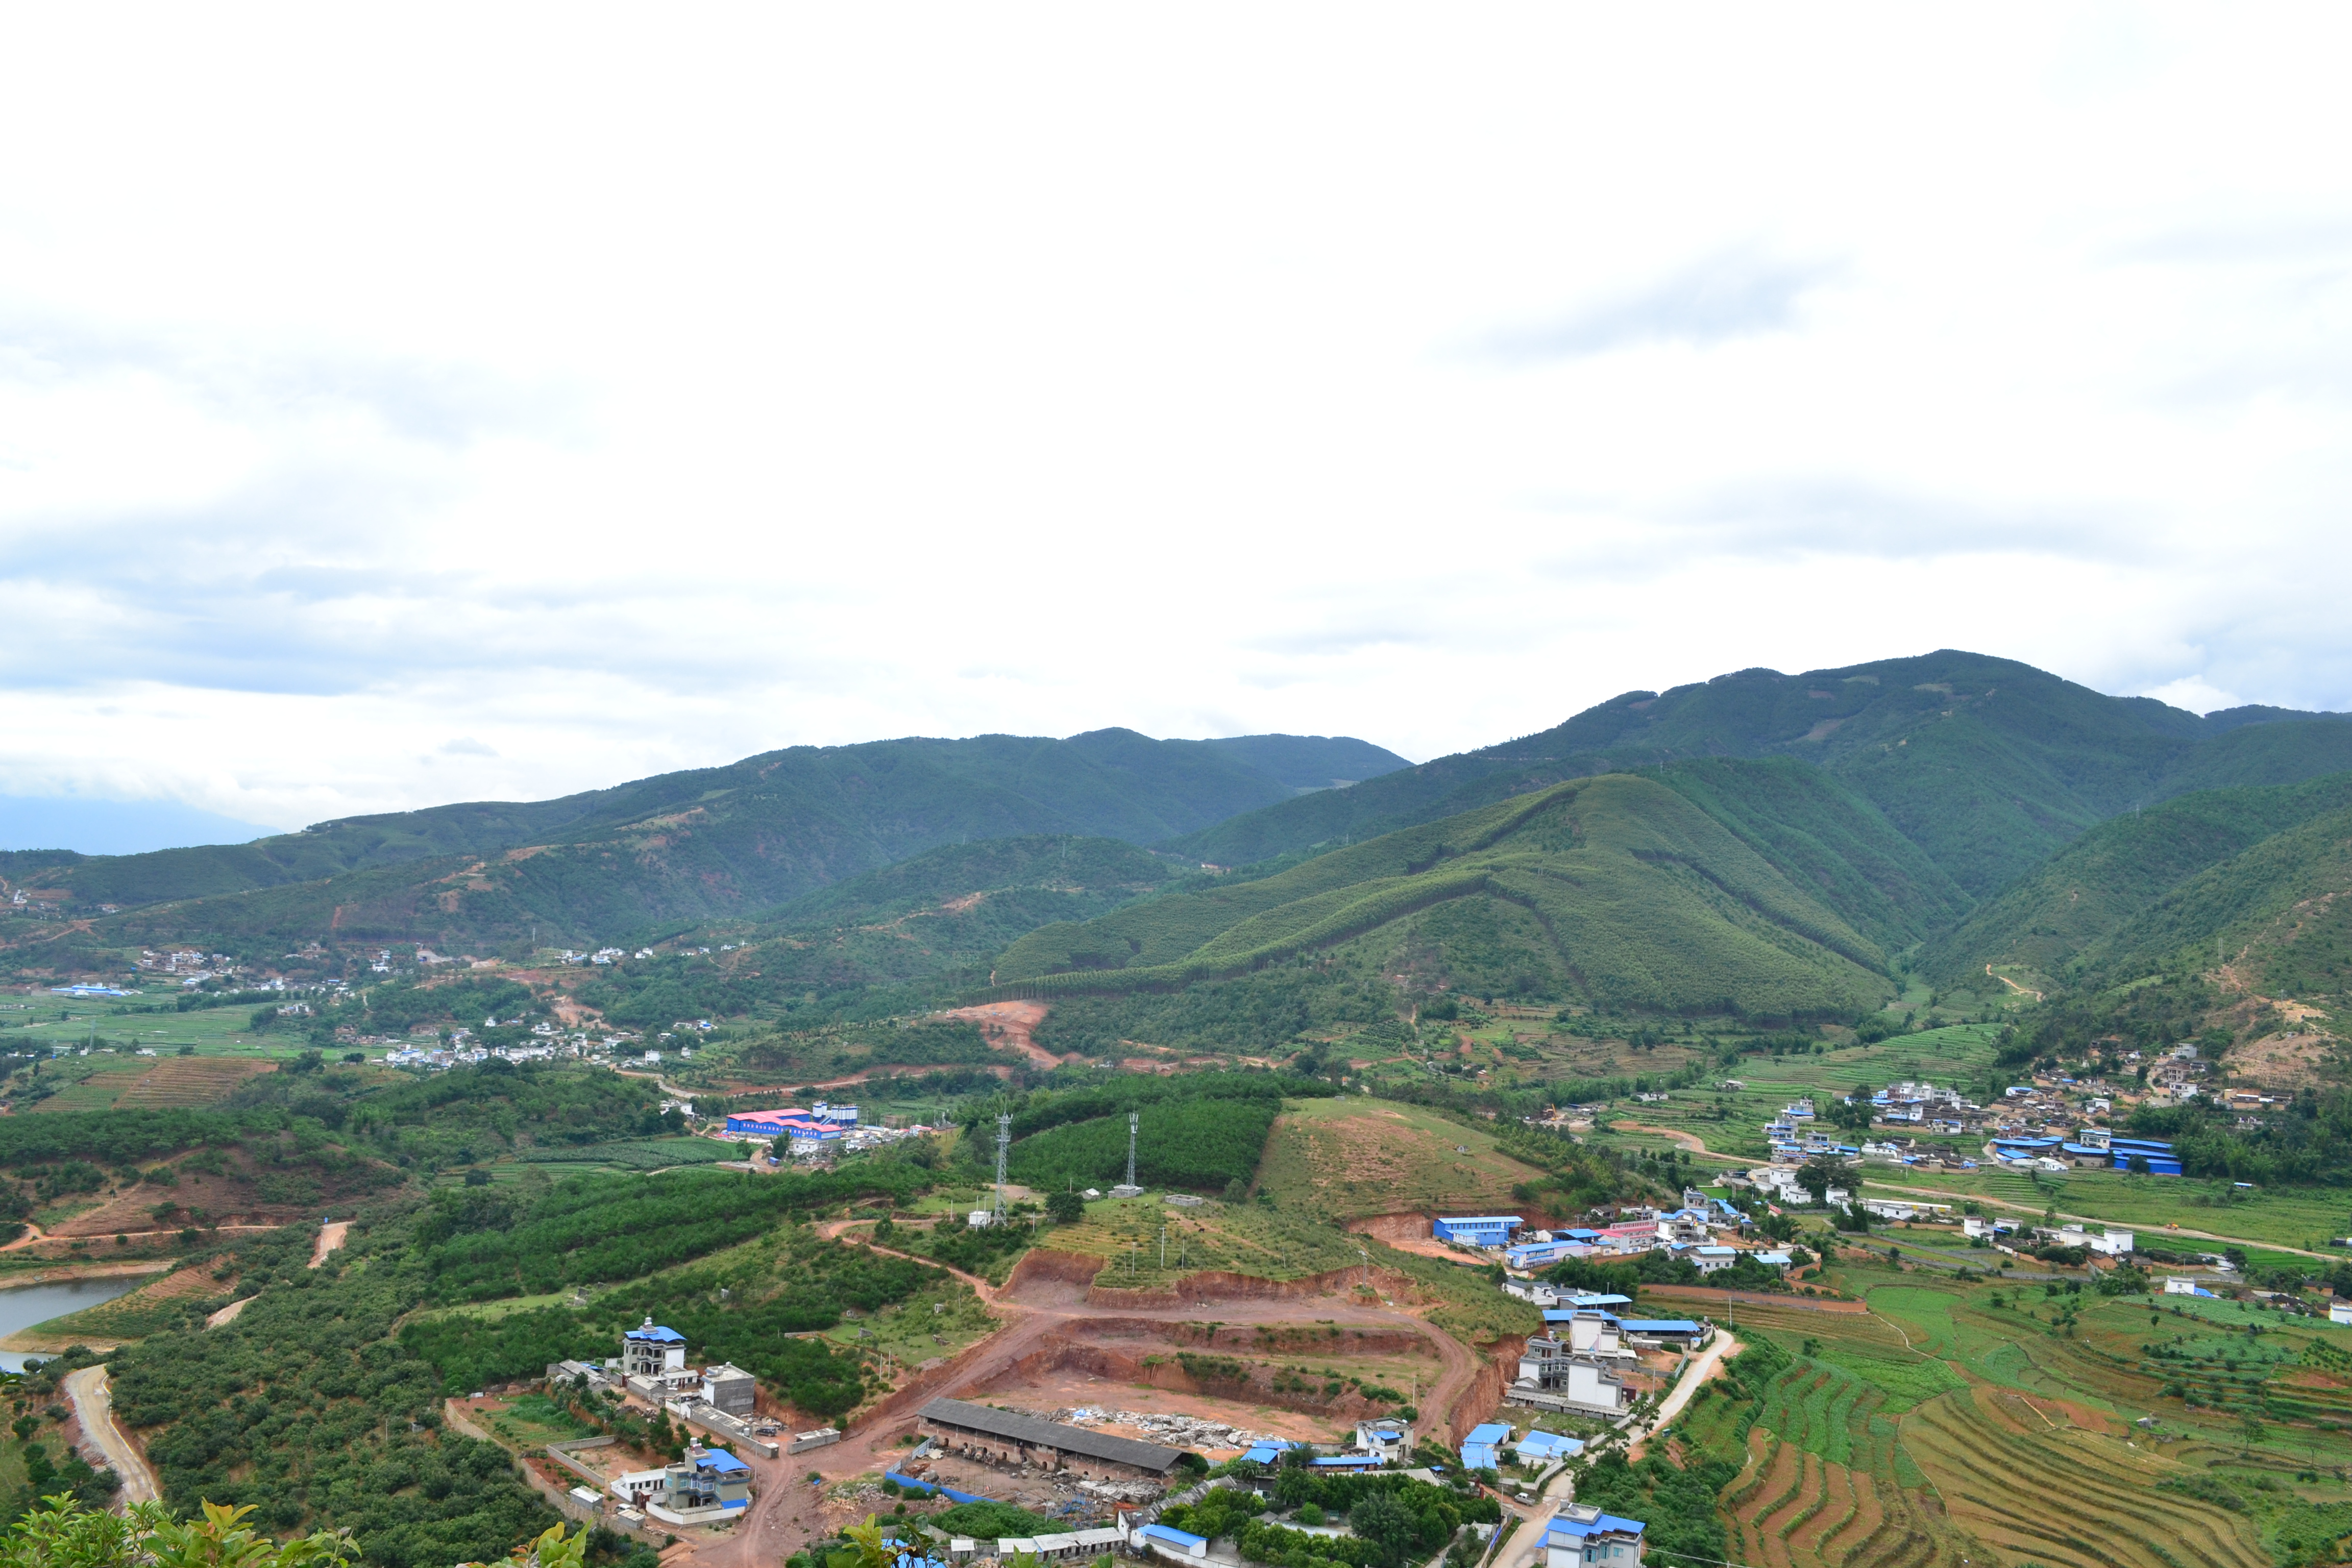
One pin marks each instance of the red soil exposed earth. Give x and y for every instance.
(1008, 1024)
(1058, 1333)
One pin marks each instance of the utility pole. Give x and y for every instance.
(1367, 1266)
(1134, 1119)
(1003, 1143)
(1163, 1250)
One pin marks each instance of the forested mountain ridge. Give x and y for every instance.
(687, 846)
(2121, 872)
(1986, 765)
(1620, 891)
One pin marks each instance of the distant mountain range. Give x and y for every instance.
(686, 846)
(1989, 765)
(1762, 843)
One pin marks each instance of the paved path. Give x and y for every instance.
(93, 1402)
(1694, 1373)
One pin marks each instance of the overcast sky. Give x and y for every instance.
(428, 405)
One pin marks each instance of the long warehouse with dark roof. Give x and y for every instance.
(985, 1423)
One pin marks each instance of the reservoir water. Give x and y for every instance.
(29, 1304)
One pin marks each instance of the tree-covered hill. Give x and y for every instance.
(1986, 765)
(2121, 870)
(683, 847)
(1631, 896)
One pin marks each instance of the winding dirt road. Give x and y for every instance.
(93, 1405)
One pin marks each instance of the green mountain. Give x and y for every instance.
(1617, 890)
(1987, 765)
(2279, 914)
(683, 847)
(2119, 873)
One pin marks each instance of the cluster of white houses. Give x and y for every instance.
(710, 1486)
(1706, 1232)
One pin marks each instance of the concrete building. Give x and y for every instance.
(1581, 1382)
(708, 1487)
(651, 1351)
(1678, 1332)
(1387, 1439)
(729, 1388)
(2339, 1311)
(1581, 1535)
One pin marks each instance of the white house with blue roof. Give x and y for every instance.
(651, 1351)
(1581, 1535)
(708, 1487)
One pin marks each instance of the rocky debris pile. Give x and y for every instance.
(1177, 1431)
(1123, 1491)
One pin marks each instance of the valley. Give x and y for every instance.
(1654, 962)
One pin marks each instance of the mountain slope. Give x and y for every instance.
(1642, 898)
(692, 845)
(2280, 914)
(1986, 765)
(2118, 872)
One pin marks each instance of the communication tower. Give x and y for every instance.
(1003, 1142)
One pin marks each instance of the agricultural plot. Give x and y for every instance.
(1345, 1159)
(1127, 1234)
(1940, 1426)
(630, 1154)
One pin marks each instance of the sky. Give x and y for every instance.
(442, 404)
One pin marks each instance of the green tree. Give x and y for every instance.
(1065, 1207)
(1384, 1522)
(68, 1534)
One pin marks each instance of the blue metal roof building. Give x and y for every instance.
(1478, 1230)
(1184, 1540)
(655, 1334)
(2161, 1159)
(1580, 1535)
(1479, 1449)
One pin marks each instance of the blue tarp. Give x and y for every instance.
(927, 1487)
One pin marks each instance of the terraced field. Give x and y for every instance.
(1825, 1486)
(2025, 1479)
(188, 1081)
(1939, 1431)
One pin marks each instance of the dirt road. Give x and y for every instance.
(93, 1405)
(331, 1236)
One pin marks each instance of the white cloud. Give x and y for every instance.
(383, 423)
